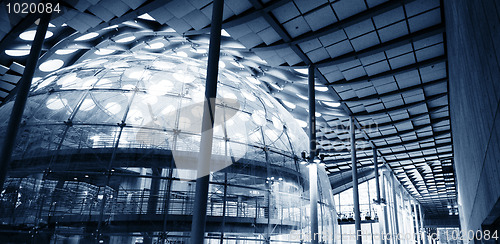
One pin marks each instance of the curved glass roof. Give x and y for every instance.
(144, 100)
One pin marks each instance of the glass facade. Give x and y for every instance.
(108, 149)
(379, 221)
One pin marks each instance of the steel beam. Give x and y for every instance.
(21, 98)
(377, 184)
(355, 193)
(203, 173)
(396, 92)
(434, 30)
(392, 72)
(313, 166)
(352, 20)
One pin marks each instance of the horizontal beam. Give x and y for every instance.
(388, 154)
(243, 18)
(401, 107)
(413, 37)
(393, 72)
(415, 129)
(355, 19)
(416, 157)
(396, 92)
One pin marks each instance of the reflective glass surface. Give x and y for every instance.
(108, 150)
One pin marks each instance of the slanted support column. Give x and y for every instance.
(355, 193)
(203, 173)
(313, 166)
(23, 89)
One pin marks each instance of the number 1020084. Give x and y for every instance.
(31, 8)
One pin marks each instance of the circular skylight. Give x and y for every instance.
(30, 35)
(125, 39)
(17, 52)
(321, 88)
(104, 51)
(289, 104)
(155, 45)
(51, 65)
(66, 51)
(331, 104)
(88, 36)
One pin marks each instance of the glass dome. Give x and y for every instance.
(158, 100)
(117, 137)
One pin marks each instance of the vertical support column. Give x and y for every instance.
(154, 191)
(23, 89)
(377, 183)
(385, 227)
(203, 173)
(395, 203)
(424, 233)
(355, 193)
(417, 229)
(313, 167)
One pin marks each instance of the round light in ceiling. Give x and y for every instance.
(181, 54)
(289, 104)
(331, 104)
(17, 52)
(66, 51)
(156, 45)
(321, 88)
(104, 51)
(30, 35)
(88, 36)
(302, 97)
(125, 39)
(51, 65)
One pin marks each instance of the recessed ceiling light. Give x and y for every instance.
(156, 45)
(51, 65)
(302, 97)
(224, 33)
(30, 35)
(303, 71)
(17, 52)
(126, 39)
(289, 104)
(87, 36)
(222, 64)
(181, 54)
(331, 104)
(111, 27)
(146, 16)
(104, 51)
(66, 51)
(321, 88)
